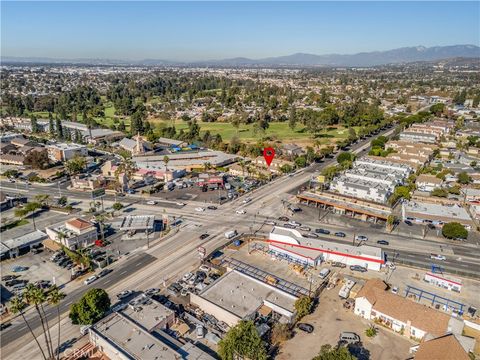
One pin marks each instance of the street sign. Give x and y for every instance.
(98, 193)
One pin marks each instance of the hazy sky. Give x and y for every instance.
(215, 30)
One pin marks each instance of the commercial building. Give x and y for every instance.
(136, 223)
(290, 242)
(237, 296)
(64, 151)
(361, 189)
(275, 165)
(13, 247)
(135, 146)
(446, 347)
(427, 182)
(74, 234)
(443, 281)
(437, 214)
(375, 302)
(139, 333)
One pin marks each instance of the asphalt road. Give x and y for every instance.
(126, 269)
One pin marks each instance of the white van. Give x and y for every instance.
(200, 331)
(230, 234)
(324, 273)
(90, 280)
(349, 337)
(84, 329)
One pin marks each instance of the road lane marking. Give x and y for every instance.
(123, 272)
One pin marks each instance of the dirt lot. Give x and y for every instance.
(329, 320)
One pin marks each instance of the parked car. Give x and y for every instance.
(90, 280)
(431, 226)
(124, 294)
(312, 235)
(305, 327)
(119, 307)
(19, 268)
(294, 223)
(408, 222)
(270, 222)
(151, 202)
(339, 264)
(322, 231)
(152, 291)
(204, 268)
(247, 200)
(187, 276)
(358, 268)
(199, 209)
(383, 242)
(200, 331)
(241, 211)
(283, 218)
(180, 204)
(104, 272)
(204, 236)
(211, 207)
(288, 226)
(340, 234)
(349, 337)
(305, 228)
(394, 290)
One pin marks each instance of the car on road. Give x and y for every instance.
(204, 236)
(394, 290)
(247, 200)
(211, 207)
(294, 223)
(322, 231)
(124, 294)
(241, 211)
(199, 209)
(312, 235)
(383, 242)
(5, 325)
(270, 222)
(340, 234)
(283, 218)
(90, 280)
(200, 331)
(358, 268)
(151, 202)
(438, 257)
(361, 238)
(19, 268)
(305, 228)
(14, 282)
(305, 327)
(104, 272)
(288, 226)
(180, 204)
(408, 222)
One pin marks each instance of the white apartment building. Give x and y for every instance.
(64, 151)
(74, 234)
(418, 137)
(361, 189)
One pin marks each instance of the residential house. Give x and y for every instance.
(427, 182)
(446, 347)
(375, 302)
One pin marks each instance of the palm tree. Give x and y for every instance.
(16, 307)
(54, 297)
(43, 199)
(36, 297)
(166, 159)
(207, 166)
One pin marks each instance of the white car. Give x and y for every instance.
(199, 209)
(361, 238)
(187, 276)
(204, 268)
(294, 223)
(151, 202)
(247, 200)
(90, 280)
(241, 211)
(270, 222)
(124, 294)
(438, 257)
(152, 291)
(180, 204)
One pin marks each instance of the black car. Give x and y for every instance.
(340, 234)
(104, 272)
(305, 327)
(431, 226)
(204, 236)
(383, 242)
(283, 218)
(211, 207)
(358, 268)
(288, 226)
(9, 277)
(408, 222)
(322, 231)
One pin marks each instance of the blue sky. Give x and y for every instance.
(215, 30)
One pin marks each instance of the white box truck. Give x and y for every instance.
(230, 234)
(345, 290)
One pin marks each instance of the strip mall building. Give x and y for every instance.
(290, 244)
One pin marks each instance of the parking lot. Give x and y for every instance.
(329, 320)
(39, 267)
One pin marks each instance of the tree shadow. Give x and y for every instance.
(66, 344)
(359, 351)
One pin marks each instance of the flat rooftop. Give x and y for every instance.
(137, 343)
(151, 315)
(311, 244)
(190, 158)
(138, 222)
(34, 236)
(362, 184)
(65, 146)
(436, 210)
(242, 295)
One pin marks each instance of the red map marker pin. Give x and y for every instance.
(268, 154)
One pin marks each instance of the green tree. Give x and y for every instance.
(34, 124)
(371, 331)
(37, 159)
(301, 161)
(280, 333)
(455, 190)
(400, 192)
(303, 306)
(345, 156)
(117, 206)
(90, 308)
(51, 126)
(437, 109)
(439, 192)
(327, 352)
(242, 341)
(463, 178)
(28, 208)
(292, 118)
(454, 230)
(76, 165)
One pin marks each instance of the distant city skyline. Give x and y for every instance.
(197, 31)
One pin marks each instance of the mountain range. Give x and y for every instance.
(395, 56)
